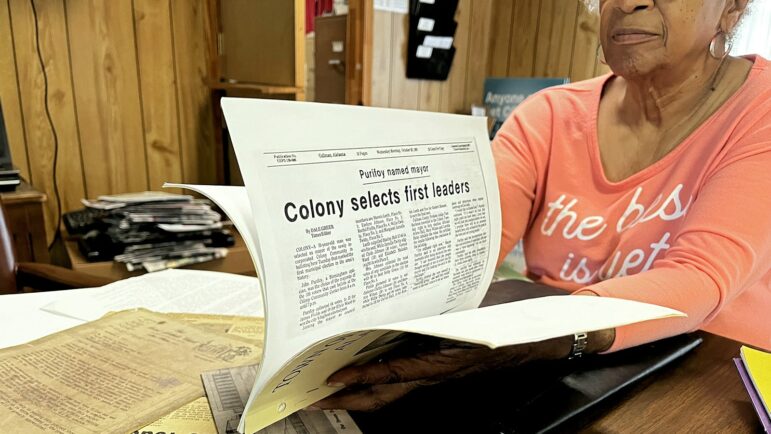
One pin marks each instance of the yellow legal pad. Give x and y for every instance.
(758, 364)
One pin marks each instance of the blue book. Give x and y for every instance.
(502, 95)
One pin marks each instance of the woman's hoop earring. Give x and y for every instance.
(601, 54)
(720, 46)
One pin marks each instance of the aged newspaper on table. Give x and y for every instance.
(228, 391)
(111, 375)
(364, 218)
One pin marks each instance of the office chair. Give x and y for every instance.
(18, 276)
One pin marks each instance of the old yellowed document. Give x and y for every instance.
(229, 388)
(247, 327)
(196, 417)
(112, 375)
(193, 418)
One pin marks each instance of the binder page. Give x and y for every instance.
(366, 216)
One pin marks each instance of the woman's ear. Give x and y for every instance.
(734, 9)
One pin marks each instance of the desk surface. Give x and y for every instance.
(701, 393)
(22, 194)
(698, 393)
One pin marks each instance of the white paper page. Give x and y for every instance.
(398, 6)
(424, 52)
(443, 42)
(534, 320)
(234, 201)
(309, 167)
(22, 320)
(426, 24)
(181, 291)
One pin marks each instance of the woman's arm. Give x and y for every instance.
(521, 149)
(723, 247)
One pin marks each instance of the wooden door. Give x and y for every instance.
(331, 47)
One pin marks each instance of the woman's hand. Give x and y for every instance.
(426, 361)
(373, 385)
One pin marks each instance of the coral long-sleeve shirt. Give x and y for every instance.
(691, 232)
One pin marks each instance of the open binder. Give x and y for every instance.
(543, 397)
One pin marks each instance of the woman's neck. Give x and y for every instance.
(663, 96)
(640, 121)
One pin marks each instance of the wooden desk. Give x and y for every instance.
(701, 393)
(238, 261)
(24, 209)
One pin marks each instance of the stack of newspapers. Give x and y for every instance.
(154, 231)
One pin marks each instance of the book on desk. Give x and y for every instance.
(755, 370)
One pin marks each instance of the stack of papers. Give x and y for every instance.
(755, 369)
(154, 231)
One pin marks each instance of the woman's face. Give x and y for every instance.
(643, 37)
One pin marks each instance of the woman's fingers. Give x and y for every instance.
(388, 380)
(367, 399)
(404, 369)
(399, 370)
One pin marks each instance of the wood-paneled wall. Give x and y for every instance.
(514, 38)
(126, 92)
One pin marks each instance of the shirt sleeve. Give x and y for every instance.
(519, 150)
(723, 247)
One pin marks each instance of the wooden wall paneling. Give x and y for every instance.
(600, 68)
(157, 83)
(556, 30)
(404, 91)
(354, 40)
(502, 19)
(381, 59)
(366, 74)
(524, 34)
(430, 95)
(310, 67)
(52, 27)
(585, 45)
(107, 95)
(191, 27)
(9, 94)
(299, 48)
(454, 95)
(358, 69)
(479, 59)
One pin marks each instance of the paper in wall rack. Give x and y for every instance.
(430, 47)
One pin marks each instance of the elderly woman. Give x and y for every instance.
(651, 183)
